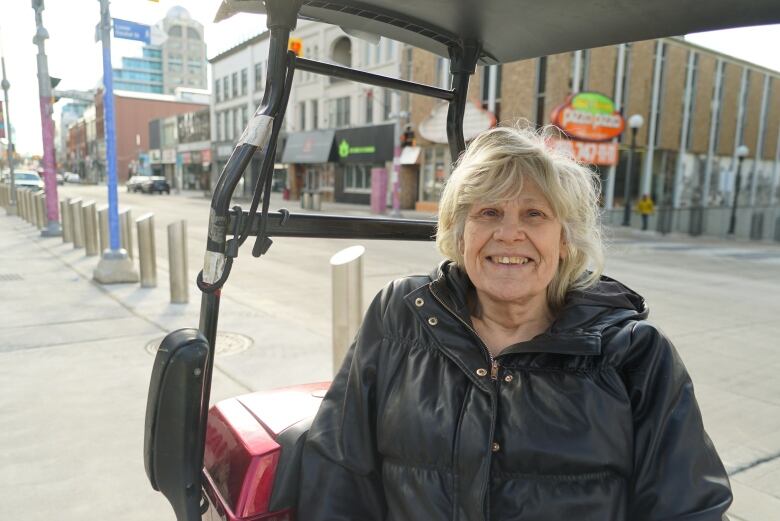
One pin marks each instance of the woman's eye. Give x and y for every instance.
(536, 213)
(488, 212)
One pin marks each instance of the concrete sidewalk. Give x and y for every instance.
(75, 362)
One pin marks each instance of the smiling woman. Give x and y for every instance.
(512, 382)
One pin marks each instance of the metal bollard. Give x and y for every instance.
(78, 223)
(126, 232)
(67, 228)
(347, 279)
(177, 262)
(307, 200)
(316, 201)
(103, 240)
(40, 204)
(22, 202)
(147, 257)
(26, 200)
(89, 218)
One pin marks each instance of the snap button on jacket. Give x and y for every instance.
(595, 419)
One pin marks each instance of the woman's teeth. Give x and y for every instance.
(510, 260)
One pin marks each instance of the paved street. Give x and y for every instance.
(74, 368)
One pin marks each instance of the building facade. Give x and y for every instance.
(179, 61)
(180, 149)
(322, 149)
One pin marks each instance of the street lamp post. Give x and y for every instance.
(52, 227)
(6, 85)
(635, 122)
(742, 152)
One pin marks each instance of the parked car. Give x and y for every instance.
(148, 184)
(60, 179)
(71, 177)
(27, 179)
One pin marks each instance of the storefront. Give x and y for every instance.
(310, 157)
(358, 150)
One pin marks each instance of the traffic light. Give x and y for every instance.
(296, 46)
(407, 138)
(54, 82)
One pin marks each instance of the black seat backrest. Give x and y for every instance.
(173, 452)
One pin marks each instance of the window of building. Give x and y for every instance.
(259, 76)
(149, 52)
(435, 171)
(302, 115)
(339, 112)
(217, 91)
(229, 128)
(387, 104)
(175, 31)
(389, 49)
(486, 73)
(661, 90)
(244, 118)
(244, 81)
(193, 34)
(357, 178)
(583, 73)
(692, 107)
(342, 52)
(237, 114)
(226, 87)
(221, 126)
(366, 54)
(442, 73)
(193, 67)
(743, 103)
(369, 107)
(174, 67)
(378, 51)
(315, 114)
(541, 89)
(234, 81)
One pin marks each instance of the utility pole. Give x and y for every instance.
(115, 265)
(53, 228)
(6, 85)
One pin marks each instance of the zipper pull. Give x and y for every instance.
(493, 369)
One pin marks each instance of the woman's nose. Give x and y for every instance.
(510, 229)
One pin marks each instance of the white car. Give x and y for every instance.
(27, 179)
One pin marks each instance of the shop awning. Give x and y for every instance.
(309, 147)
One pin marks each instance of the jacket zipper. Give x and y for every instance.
(493, 361)
(493, 376)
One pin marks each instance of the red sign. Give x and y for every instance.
(603, 154)
(205, 156)
(589, 116)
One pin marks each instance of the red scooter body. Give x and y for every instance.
(245, 442)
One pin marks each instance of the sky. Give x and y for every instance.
(74, 56)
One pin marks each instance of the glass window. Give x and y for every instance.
(192, 33)
(541, 89)
(244, 80)
(387, 104)
(229, 125)
(302, 115)
(357, 178)
(369, 107)
(174, 67)
(226, 87)
(435, 171)
(217, 91)
(175, 31)
(314, 114)
(389, 49)
(340, 112)
(259, 76)
(237, 121)
(234, 81)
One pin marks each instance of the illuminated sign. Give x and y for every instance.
(589, 116)
(345, 150)
(602, 154)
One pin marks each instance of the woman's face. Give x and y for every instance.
(511, 250)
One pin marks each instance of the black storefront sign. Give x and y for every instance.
(373, 144)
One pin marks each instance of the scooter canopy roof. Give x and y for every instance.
(510, 30)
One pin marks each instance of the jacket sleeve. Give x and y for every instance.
(341, 468)
(677, 474)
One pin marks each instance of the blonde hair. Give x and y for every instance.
(493, 168)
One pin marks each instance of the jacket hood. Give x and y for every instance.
(591, 310)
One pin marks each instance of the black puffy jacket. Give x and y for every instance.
(594, 419)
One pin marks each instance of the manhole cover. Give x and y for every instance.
(227, 344)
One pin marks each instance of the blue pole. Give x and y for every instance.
(108, 124)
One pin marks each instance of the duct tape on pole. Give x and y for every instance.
(78, 223)
(347, 280)
(89, 216)
(177, 262)
(102, 213)
(67, 227)
(147, 256)
(126, 219)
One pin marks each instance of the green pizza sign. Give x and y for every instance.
(345, 150)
